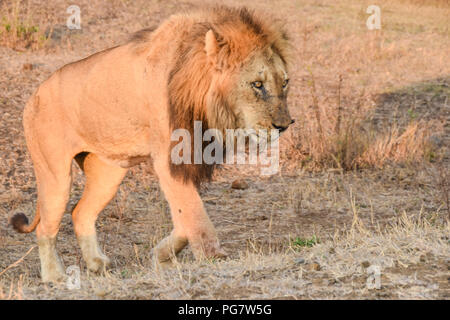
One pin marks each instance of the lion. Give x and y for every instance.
(226, 67)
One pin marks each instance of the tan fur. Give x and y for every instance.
(119, 107)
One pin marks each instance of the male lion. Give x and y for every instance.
(222, 66)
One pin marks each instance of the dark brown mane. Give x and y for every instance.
(186, 105)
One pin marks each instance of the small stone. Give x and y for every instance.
(239, 184)
(314, 267)
(27, 67)
(331, 282)
(299, 260)
(100, 292)
(365, 264)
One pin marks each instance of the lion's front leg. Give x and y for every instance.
(191, 223)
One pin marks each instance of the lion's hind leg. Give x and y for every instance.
(49, 144)
(102, 182)
(53, 179)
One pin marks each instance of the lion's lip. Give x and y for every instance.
(280, 129)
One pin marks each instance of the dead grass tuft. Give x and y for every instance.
(409, 145)
(340, 136)
(12, 292)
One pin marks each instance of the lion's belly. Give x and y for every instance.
(127, 146)
(124, 150)
(124, 161)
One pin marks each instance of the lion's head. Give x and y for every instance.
(259, 95)
(231, 73)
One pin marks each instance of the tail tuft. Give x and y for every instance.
(19, 221)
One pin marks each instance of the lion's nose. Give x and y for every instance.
(282, 127)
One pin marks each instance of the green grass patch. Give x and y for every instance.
(304, 242)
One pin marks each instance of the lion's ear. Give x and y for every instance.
(211, 46)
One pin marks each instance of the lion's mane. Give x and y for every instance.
(193, 95)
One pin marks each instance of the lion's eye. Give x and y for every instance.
(285, 83)
(257, 84)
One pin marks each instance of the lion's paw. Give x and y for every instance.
(97, 263)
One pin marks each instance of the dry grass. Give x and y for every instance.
(411, 145)
(345, 67)
(359, 220)
(408, 253)
(13, 291)
(333, 135)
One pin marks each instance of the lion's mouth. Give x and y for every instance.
(279, 128)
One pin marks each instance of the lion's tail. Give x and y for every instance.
(19, 221)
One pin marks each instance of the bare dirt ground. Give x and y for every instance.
(312, 231)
